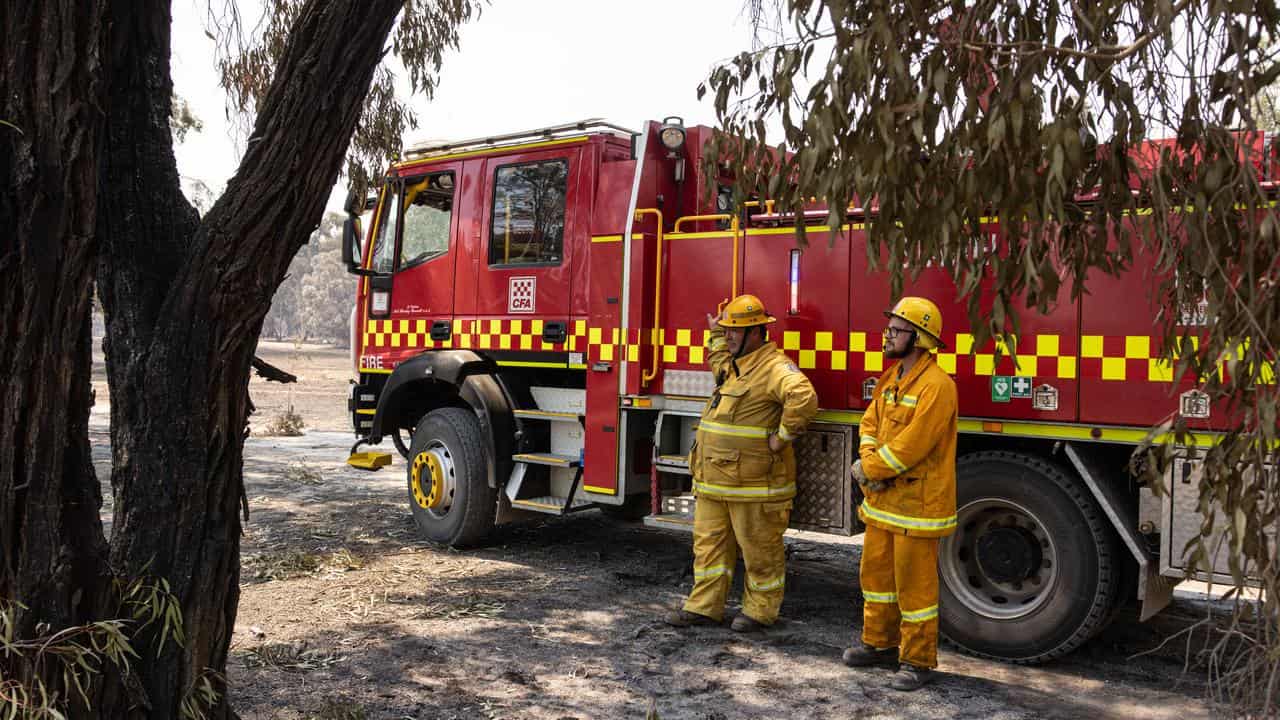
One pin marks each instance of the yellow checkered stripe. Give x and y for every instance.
(1109, 358)
(683, 345)
(605, 344)
(483, 334)
(406, 334)
(816, 351)
(1105, 357)
(503, 334)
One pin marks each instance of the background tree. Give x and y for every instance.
(941, 112)
(314, 300)
(91, 189)
(324, 308)
(283, 319)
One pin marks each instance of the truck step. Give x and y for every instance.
(550, 459)
(671, 521)
(679, 505)
(675, 464)
(551, 504)
(370, 460)
(547, 415)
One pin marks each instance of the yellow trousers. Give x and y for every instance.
(720, 529)
(899, 578)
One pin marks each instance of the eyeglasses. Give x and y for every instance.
(892, 332)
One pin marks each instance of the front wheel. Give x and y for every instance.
(450, 497)
(1032, 571)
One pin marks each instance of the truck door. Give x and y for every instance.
(415, 244)
(528, 237)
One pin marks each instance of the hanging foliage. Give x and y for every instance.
(933, 115)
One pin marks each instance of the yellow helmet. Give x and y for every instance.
(745, 311)
(925, 316)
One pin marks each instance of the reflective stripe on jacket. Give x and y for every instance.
(758, 394)
(909, 434)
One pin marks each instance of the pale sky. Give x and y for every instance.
(524, 64)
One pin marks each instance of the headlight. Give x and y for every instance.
(672, 133)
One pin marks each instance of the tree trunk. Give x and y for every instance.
(185, 302)
(52, 550)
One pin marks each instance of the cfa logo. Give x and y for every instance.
(522, 293)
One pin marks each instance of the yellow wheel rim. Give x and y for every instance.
(427, 479)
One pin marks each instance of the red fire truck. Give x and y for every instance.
(529, 334)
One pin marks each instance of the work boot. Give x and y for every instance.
(744, 623)
(866, 656)
(910, 677)
(683, 618)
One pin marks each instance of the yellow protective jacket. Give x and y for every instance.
(908, 434)
(758, 394)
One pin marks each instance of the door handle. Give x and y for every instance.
(553, 332)
(441, 330)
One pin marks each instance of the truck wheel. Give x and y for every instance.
(451, 500)
(1032, 570)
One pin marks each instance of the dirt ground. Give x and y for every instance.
(346, 614)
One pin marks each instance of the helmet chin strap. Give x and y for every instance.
(743, 347)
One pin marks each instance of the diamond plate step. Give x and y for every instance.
(567, 461)
(551, 504)
(677, 464)
(670, 521)
(546, 415)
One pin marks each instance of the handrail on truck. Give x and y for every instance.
(650, 374)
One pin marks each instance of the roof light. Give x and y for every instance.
(671, 134)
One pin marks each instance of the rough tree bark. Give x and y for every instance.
(52, 551)
(184, 302)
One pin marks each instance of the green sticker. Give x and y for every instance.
(1001, 388)
(1022, 386)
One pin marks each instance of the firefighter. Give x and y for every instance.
(907, 471)
(744, 469)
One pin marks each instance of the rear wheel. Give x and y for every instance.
(1032, 571)
(448, 492)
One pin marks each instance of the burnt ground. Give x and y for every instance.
(346, 613)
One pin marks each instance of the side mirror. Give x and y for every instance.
(350, 241)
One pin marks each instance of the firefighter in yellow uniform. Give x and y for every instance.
(744, 469)
(907, 470)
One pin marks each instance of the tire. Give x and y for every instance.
(1033, 570)
(465, 517)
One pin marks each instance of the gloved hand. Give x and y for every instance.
(866, 483)
(776, 443)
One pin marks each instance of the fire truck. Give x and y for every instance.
(529, 333)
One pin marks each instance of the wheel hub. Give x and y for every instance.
(1001, 563)
(1008, 554)
(431, 478)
